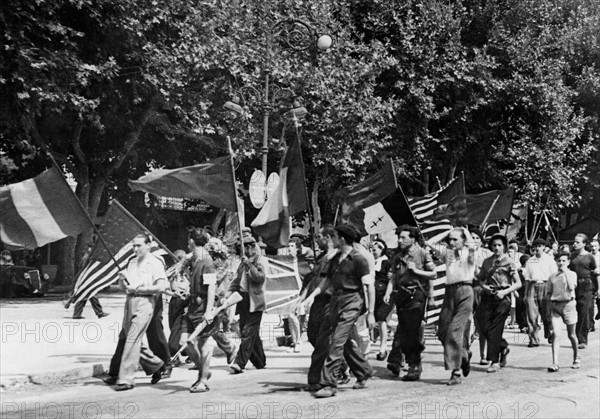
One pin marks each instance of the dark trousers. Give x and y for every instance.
(157, 341)
(454, 326)
(408, 339)
(584, 297)
(495, 313)
(319, 333)
(95, 305)
(251, 347)
(344, 310)
(521, 310)
(176, 311)
(319, 312)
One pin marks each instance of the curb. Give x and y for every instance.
(72, 375)
(57, 377)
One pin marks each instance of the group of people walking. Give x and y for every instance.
(349, 286)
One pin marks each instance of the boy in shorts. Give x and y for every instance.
(561, 292)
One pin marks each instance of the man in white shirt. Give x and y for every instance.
(538, 270)
(144, 279)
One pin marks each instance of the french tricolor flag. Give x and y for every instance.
(39, 211)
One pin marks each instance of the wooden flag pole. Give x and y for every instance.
(337, 210)
(487, 216)
(84, 210)
(237, 204)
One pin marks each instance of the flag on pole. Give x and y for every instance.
(478, 209)
(212, 182)
(424, 209)
(376, 205)
(367, 193)
(433, 228)
(289, 198)
(283, 284)
(118, 228)
(39, 211)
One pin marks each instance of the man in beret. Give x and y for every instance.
(250, 283)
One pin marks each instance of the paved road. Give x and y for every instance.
(521, 390)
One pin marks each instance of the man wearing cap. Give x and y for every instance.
(250, 282)
(412, 268)
(538, 270)
(347, 273)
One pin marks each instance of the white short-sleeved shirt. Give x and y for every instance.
(145, 273)
(540, 269)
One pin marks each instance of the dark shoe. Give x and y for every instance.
(156, 376)
(553, 368)
(504, 357)
(326, 392)
(483, 361)
(360, 384)
(123, 387)
(550, 339)
(110, 380)
(313, 388)
(582, 346)
(394, 368)
(236, 369)
(381, 356)
(231, 356)
(103, 315)
(454, 379)
(167, 370)
(78, 317)
(466, 365)
(414, 373)
(533, 345)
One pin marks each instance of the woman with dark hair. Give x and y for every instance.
(498, 278)
(481, 253)
(382, 310)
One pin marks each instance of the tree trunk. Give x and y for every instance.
(425, 182)
(65, 273)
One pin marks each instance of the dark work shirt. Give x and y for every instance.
(583, 265)
(347, 274)
(203, 275)
(497, 273)
(422, 260)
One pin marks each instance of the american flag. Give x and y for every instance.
(118, 230)
(283, 284)
(433, 229)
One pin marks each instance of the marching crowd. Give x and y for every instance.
(350, 287)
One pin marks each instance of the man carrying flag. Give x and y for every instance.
(144, 279)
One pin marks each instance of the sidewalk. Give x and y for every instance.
(42, 344)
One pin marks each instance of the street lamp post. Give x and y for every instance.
(296, 35)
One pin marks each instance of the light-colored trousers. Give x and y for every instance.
(138, 313)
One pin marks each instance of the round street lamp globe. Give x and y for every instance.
(324, 42)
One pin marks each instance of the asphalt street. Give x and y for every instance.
(523, 389)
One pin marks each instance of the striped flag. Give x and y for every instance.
(283, 284)
(118, 229)
(39, 211)
(424, 211)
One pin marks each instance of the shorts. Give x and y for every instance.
(567, 310)
(191, 321)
